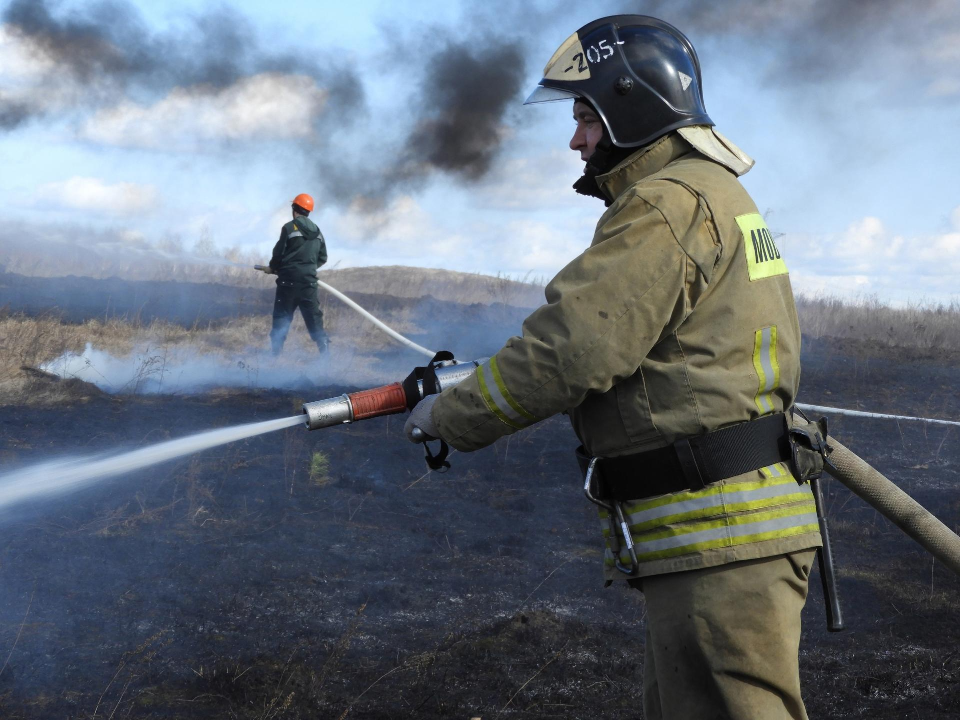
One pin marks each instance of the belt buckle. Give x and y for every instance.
(688, 464)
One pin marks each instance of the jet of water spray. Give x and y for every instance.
(58, 477)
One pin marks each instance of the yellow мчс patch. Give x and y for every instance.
(763, 256)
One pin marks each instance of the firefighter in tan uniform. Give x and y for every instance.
(673, 344)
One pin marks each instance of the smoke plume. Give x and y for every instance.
(458, 124)
(105, 59)
(895, 45)
(450, 114)
(464, 97)
(106, 52)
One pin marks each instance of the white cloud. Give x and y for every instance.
(28, 79)
(403, 220)
(867, 257)
(866, 241)
(20, 59)
(944, 87)
(542, 248)
(813, 284)
(955, 218)
(401, 233)
(87, 193)
(268, 106)
(529, 182)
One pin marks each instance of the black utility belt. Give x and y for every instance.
(693, 463)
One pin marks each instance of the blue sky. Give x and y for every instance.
(851, 117)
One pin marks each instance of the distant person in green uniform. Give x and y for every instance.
(297, 256)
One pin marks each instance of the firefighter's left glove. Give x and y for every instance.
(421, 418)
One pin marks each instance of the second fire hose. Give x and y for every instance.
(862, 479)
(893, 503)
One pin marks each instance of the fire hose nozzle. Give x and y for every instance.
(328, 412)
(386, 400)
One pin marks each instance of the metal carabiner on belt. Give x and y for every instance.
(613, 508)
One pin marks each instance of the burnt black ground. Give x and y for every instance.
(231, 585)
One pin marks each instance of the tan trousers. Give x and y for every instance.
(722, 643)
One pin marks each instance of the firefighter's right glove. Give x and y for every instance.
(422, 419)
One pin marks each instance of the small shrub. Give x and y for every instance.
(319, 469)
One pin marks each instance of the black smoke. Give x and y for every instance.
(106, 51)
(898, 46)
(13, 113)
(457, 126)
(464, 97)
(451, 117)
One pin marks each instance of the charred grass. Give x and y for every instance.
(309, 575)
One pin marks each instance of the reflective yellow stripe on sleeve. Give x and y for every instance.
(499, 400)
(767, 367)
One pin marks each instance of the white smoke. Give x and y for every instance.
(173, 370)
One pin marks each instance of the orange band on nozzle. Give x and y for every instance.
(386, 400)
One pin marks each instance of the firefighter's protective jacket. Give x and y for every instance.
(298, 253)
(679, 319)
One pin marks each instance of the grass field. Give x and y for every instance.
(28, 341)
(328, 574)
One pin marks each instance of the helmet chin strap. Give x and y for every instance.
(605, 157)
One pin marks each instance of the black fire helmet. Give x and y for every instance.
(641, 75)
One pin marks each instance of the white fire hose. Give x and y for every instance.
(862, 479)
(388, 330)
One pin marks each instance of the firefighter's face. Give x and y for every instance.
(589, 130)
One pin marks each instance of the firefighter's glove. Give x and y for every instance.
(421, 418)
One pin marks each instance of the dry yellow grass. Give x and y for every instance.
(31, 341)
(917, 327)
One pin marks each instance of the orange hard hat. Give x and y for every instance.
(304, 201)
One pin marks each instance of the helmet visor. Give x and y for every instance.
(544, 94)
